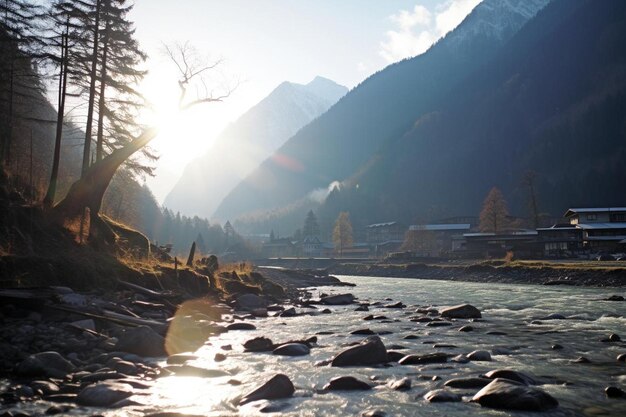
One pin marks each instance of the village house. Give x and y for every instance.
(383, 238)
(440, 238)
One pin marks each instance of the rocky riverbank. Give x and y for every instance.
(484, 272)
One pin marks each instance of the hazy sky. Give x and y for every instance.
(265, 42)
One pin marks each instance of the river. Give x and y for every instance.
(506, 308)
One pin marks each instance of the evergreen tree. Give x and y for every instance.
(311, 227)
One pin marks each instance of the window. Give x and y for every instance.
(618, 217)
(592, 217)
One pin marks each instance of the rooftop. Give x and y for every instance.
(440, 227)
(572, 211)
(381, 224)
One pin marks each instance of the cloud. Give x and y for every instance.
(416, 30)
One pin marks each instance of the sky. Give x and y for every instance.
(260, 44)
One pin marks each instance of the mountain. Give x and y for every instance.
(552, 101)
(343, 140)
(247, 142)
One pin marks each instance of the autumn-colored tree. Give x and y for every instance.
(342, 233)
(494, 215)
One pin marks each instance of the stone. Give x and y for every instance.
(123, 367)
(339, 299)
(614, 338)
(442, 395)
(290, 312)
(292, 349)
(437, 357)
(219, 357)
(399, 304)
(346, 383)
(411, 337)
(279, 386)
(508, 395)
(466, 328)
(614, 392)
(104, 394)
(463, 311)
(45, 387)
(241, 326)
(393, 356)
(180, 358)
(373, 413)
(614, 298)
(467, 383)
(621, 357)
(50, 364)
(403, 384)
(362, 308)
(370, 351)
(553, 316)
(479, 355)
(581, 359)
(556, 346)
(188, 370)
(258, 344)
(460, 359)
(59, 409)
(143, 341)
(362, 332)
(438, 324)
(250, 302)
(511, 375)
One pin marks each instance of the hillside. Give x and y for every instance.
(383, 107)
(248, 141)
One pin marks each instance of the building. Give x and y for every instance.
(311, 246)
(383, 238)
(587, 230)
(523, 243)
(279, 248)
(438, 239)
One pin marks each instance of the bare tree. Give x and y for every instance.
(494, 215)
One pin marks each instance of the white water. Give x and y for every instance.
(508, 308)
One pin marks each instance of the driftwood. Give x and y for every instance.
(143, 290)
(117, 318)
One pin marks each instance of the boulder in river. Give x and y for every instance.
(250, 302)
(479, 355)
(143, 341)
(279, 386)
(241, 326)
(614, 392)
(511, 375)
(339, 299)
(509, 395)
(403, 384)
(463, 311)
(437, 357)
(50, 364)
(292, 349)
(258, 344)
(371, 351)
(104, 394)
(346, 383)
(467, 383)
(442, 395)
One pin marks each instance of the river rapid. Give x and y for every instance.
(522, 342)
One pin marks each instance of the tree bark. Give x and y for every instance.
(101, 103)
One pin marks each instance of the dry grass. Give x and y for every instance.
(241, 268)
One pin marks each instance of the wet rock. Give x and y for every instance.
(621, 357)
(479, 355)
(393, 356)
(614, 298)
(463, 311)
(259, 312)
(403, 384)
(188, 370)
(553, 316)
(399, 304)
(339, 299)
(171, 414)
(421, 319)
(99, 376)
(104, 394)
(581, 359)
(219, 357)
(258, 344)
(292, 349)
(50, 364)
(373, 413)
(143, 341)
(614, 338)
(460, 359)
(466, 328)
(497, 333)
(556, 346)
(346, 383)
(122, 366)
(437, 357)
(45, 387)
(290, 312)
(467, 383)
(180, 358)
(614, 392)
(250, 302)
(508, 395)
(59, 409)
(371, 351)
(511, 375)
(241, 326)
(362, 308)
(363, 332)
(279, 386)
(442, 395)
(411, 337)
(438, 324)
(444, 346)
(326, 311)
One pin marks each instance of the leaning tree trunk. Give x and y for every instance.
(88, 191)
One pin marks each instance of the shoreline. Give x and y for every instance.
(495, 272)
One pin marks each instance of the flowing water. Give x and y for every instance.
(506, 308)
